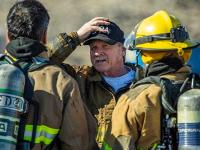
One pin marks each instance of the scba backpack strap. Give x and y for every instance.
(27, 66)
(168, 102)
(171, 90)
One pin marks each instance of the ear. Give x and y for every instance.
(8, 39)
(123, 50)
(44, 37)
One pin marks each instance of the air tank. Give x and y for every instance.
(188, 112)
(12, 104)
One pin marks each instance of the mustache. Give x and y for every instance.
(99, 59)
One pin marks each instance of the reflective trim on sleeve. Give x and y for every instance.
(101, 132)
(44, 134)
(154, 147)
(105, 146)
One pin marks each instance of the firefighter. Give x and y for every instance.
(61, 120)
(102, 83)
(165, 47)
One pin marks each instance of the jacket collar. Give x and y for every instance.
(180, 74)
(165, 66)
(23, 47)
(94, 75)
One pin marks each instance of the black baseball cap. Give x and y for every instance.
(114, 35)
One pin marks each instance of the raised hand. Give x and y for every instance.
(91, 26)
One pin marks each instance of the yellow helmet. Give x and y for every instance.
(162, 32)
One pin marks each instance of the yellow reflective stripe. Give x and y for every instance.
(27, 138)
(154, 147)
(139, 148)
(105, 146)
(101, 132)
(6, 52)
(42, 127)
(43, 139)
(44, 134)
(40, 139)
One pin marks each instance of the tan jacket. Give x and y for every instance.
(136, 117)
(61, 111)
(98, 96)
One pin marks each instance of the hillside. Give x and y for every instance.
(69, 15)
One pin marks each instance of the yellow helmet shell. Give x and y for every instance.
(160, 23)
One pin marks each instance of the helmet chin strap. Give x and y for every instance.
(180, 51)
(138, 52)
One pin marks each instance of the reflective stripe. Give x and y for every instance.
(43, 134)
(105, 146)
(154, 147)
(6, 53)
(101, 132)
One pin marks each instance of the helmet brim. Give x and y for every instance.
(167, 45)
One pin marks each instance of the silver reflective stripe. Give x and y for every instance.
(44, 134)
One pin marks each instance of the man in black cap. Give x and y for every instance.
(103, 83)
(107, 53)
